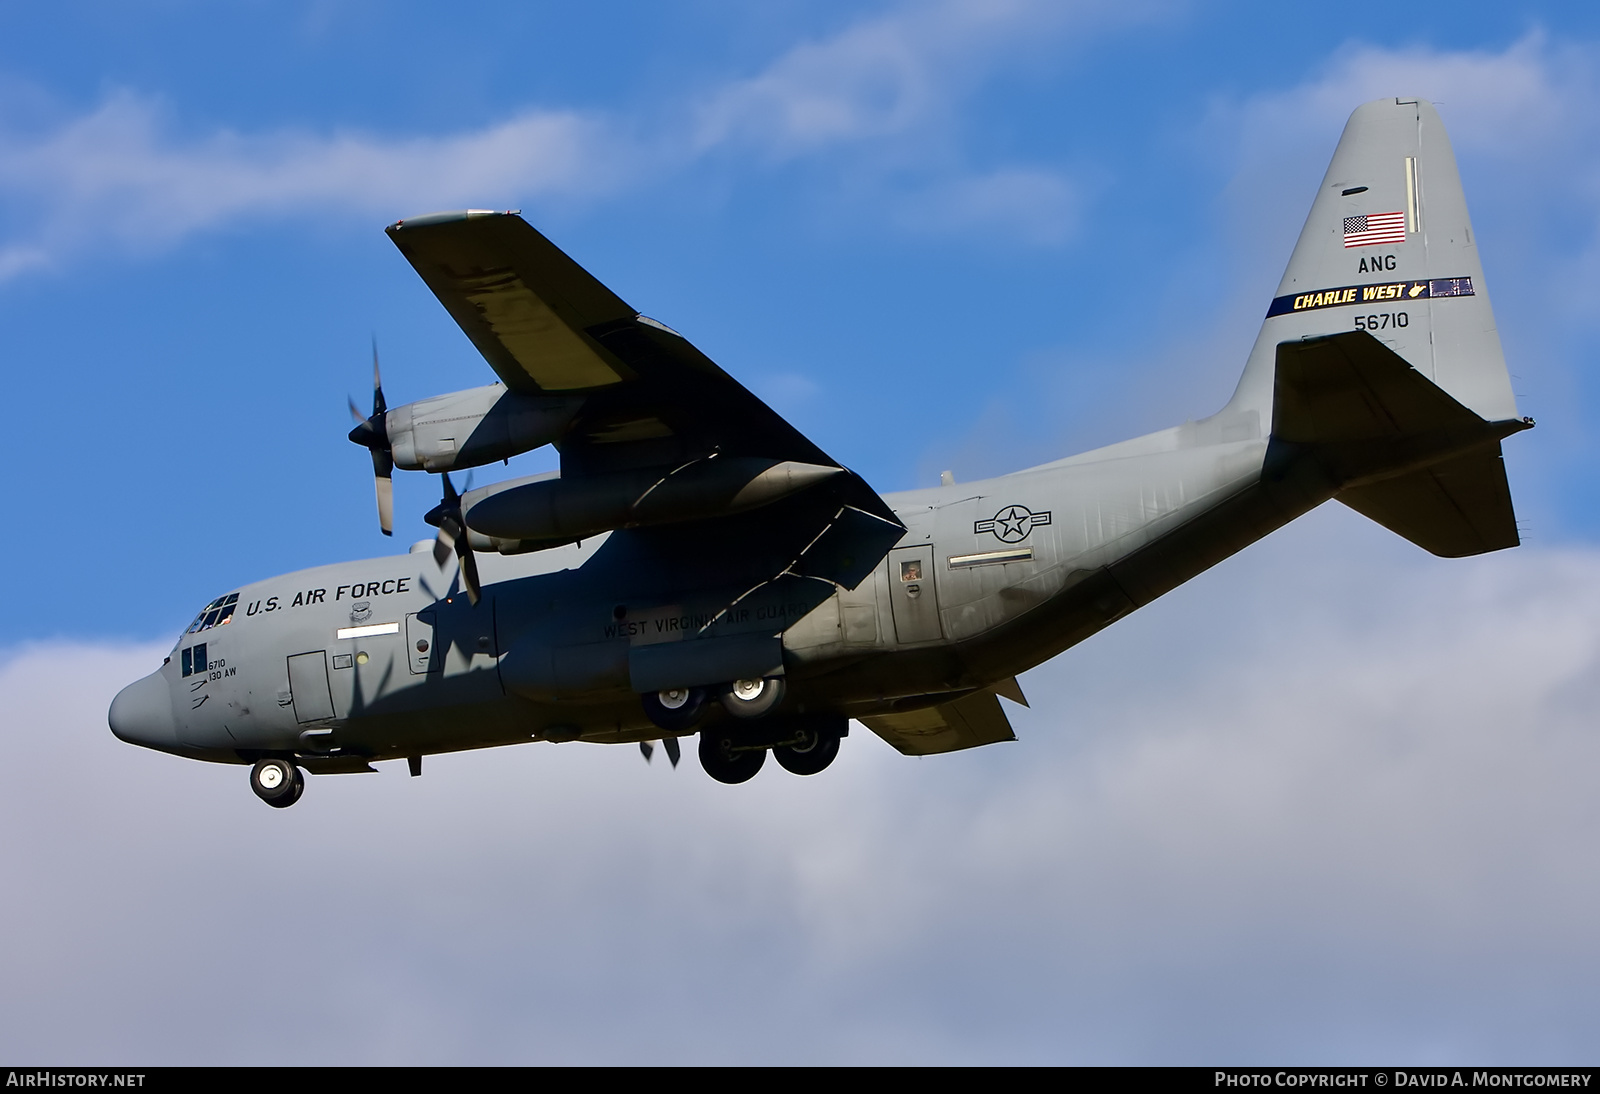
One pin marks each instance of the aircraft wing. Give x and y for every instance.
(650, 405)
(547, 327)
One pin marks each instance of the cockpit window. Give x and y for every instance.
(215, 614)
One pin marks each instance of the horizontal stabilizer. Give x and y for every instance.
(1403, 452)
(1456, 508)
(967, 722)
(1351, 387)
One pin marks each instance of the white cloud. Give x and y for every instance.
(882, 76)
(1525, 124)
(1299, 810)
(122, 174)
(1522, 118)
(118, 172)
(1024, 205)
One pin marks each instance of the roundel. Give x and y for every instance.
(1012, 524)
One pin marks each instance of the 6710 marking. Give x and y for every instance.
(1383, 320)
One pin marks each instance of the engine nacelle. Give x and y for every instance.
(474, 427)
(548, 509)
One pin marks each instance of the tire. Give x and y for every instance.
(676, 710)
(752, 698)
(724, 759)
(277, 782)
(810, 756)
(294, 796)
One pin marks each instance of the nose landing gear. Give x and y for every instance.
(279, 783)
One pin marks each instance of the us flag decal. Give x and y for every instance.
(1370, 228)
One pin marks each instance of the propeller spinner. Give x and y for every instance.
(373, 434)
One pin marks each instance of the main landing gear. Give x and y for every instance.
(728, 758)
(279, 783)
(813, 750)
(734, 748)
(678, 710)
(803, 744)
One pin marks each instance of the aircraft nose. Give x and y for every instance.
(141, 714)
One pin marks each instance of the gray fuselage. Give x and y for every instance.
(385, 657)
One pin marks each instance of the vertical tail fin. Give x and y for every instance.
(1388, 248)
(1379, 363)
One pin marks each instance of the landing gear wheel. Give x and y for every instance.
(277, 782)
(809, 756)
(725, 760)
(675, 709)
(753, 698)
(299, 789)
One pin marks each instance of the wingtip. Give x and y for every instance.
(428, 219)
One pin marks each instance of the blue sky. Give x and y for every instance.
(939, 235)
(935, 236)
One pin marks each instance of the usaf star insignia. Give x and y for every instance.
(1012, 524)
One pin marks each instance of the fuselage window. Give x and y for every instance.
(194, 659)
(214, 614)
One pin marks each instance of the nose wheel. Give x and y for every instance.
(277, 782)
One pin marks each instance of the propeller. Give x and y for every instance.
(453, 537)
(373, 434)
(648, 749)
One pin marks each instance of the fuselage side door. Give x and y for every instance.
(308, 687)
(912, 596)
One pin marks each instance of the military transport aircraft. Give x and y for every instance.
(699, 566)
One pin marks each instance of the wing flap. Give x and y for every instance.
(967, 722)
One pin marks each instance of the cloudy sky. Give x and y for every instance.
(1331, 802)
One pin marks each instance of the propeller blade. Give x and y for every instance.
(373, 433)
(647, 749)
(378, 405)
(383, 478)
(444, 544)
(469, 571)
(671, 745)
(450, 528)
(453, 536)
(385, 489)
